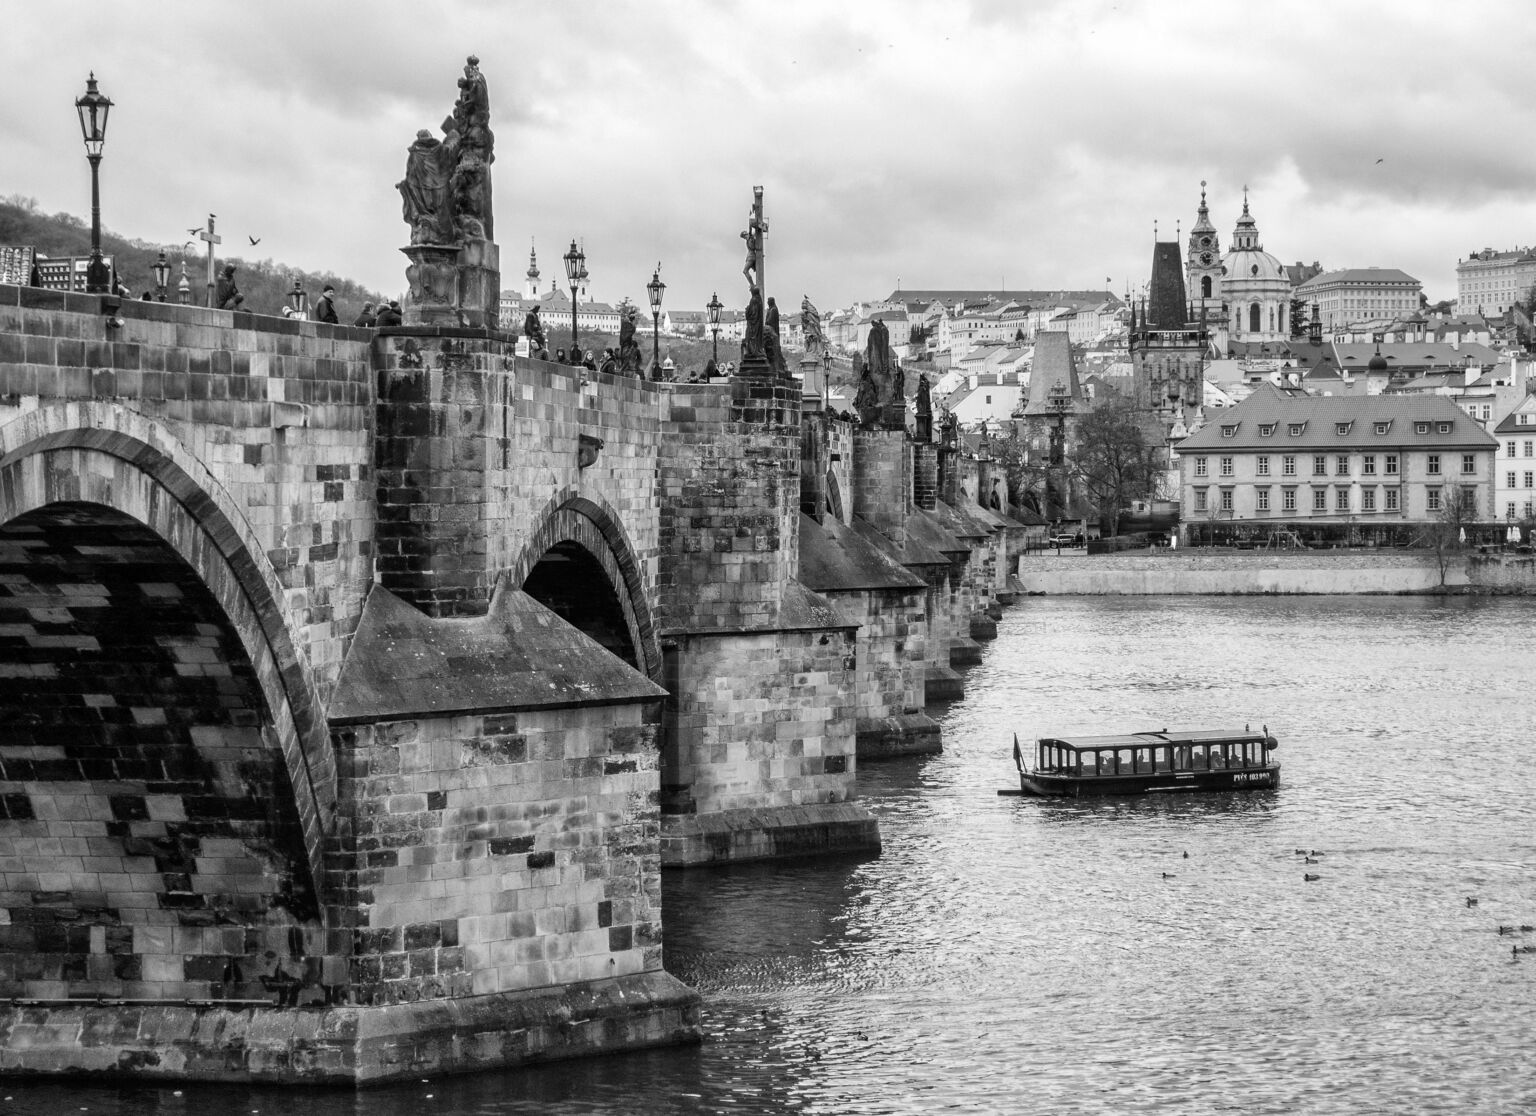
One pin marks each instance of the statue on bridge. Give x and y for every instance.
(924, 409)
(752, 340)
(810, 327)
(886, 379)
(629, 348)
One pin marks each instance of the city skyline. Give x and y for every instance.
(968, 147)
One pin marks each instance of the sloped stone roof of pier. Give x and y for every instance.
(520, 655)
(959, 521)
(913, 551)
(836, 558)
(927, 528)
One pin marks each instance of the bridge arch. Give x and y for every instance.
(579, 541)
(99, 463)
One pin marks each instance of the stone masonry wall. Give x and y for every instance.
(882, 478)
(891, 647)
(279, 412)
(496, 853)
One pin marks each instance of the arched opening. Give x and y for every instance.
(571, 583)
(834, 497)
(1255, 318)
(1205, 286)
(142, 774)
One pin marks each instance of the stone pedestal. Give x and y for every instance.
(479, 264)
(433, 275)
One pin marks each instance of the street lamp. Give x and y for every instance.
(162, 271)
(575, 268)
(655, 289)
(713, 307)
(93, 108)
(184, 288)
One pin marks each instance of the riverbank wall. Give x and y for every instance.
(1217, 573)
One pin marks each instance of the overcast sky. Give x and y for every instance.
(944, 144)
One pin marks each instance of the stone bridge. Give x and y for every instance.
(356, 685)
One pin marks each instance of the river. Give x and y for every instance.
(1161, 955)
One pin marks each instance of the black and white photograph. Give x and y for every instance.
(825, 559)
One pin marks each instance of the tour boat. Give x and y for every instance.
(1149, 763)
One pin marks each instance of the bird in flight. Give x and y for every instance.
(1378, 160)
(253, 239)
(194, 232)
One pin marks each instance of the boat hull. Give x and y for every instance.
(1162, 782)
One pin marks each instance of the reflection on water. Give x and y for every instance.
(1155, 955)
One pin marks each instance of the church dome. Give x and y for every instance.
(1247, 262)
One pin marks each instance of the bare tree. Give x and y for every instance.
(1447, 534)
(1116, 458)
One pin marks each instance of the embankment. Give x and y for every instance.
(1219, 572)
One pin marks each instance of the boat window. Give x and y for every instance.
(1181, 761)
(1218, 756)
(1160, 758)
(1143, 759)
(1124, 756)
(1255, 752)
(1198, 759)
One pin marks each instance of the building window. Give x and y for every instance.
(1288, 499)
(1200, 468)
(1367, 499)
(1512, 448)
(1469, 498)
(1468, 463)
(1230, 431)
(1226, 499)
(1288, 465)
(1527, 451)
(1421, 428)
(1226, 466)
(1384, 427)
(1509, 480)
(1390, 464)
(1342, 428)
(1268, 428)
(1254, 319)
(1368, 464)
(1391, 499)
(1341, 465)
(1445, 428)
(1297, 429)
(1262, 467)
(1199, 499)
(1529, 477)
(1432, 464)
(1205, 286)
(1319, 499)
(1509, 510)
(1432, 499)
(1262, 496)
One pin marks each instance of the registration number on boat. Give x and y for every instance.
(1251, 777)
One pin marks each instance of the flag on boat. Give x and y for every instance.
(1018, 756)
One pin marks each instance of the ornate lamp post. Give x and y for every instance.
(575, 268)
(655, 289)
(162, 271)
(184, 288)
(93, 108)
(713, 307)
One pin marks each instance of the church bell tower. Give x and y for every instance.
(1202, 264)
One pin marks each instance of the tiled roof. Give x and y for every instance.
(1320, 417)
(1358, 275)
(1413, 354)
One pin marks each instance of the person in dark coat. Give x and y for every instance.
(390, 315)
(325, 309)
(610, 363)
(227, 296)
(367, 319)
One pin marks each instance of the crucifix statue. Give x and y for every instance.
(212, 239)
(756, 230)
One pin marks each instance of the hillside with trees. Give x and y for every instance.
(264, 283)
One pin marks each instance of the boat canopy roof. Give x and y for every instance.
(1151, 739)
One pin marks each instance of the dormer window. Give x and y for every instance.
(1342, 428)
(1297, 429)
(1266, 429)
(1421, 428)
(1230, 431)
(1444, 428)
(1384, 427)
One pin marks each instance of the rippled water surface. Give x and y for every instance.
(1162, 955)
